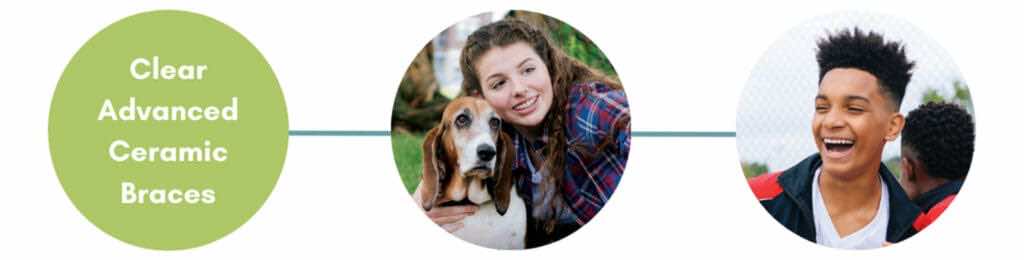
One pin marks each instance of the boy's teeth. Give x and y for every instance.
(838, 141)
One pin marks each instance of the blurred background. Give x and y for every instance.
(434, 78)
(773, 121)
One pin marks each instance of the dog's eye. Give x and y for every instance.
(494, 123)
(462, 121)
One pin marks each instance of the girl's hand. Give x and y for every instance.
(450, 217)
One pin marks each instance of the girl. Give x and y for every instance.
(569, 123)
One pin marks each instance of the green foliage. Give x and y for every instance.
(961, 95)
(932, 95)
(409, 158)
(578, 46)
(753, 169)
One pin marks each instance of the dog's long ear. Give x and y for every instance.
(503, 172)
(433, 167)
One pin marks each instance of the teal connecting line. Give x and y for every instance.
(635, 133)
(338, 133)
(683, 134)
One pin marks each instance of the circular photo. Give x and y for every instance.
(510, 130)
(855, 131)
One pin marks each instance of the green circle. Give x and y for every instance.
(83, 133)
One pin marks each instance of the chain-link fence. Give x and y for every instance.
(773, 122)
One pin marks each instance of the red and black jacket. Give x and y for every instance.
(935, 201)
(787, 197)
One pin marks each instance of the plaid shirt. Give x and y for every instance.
(595, 111)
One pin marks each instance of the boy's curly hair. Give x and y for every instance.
(941, 136)
(887, 61)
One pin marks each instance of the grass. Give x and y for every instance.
(408, 158)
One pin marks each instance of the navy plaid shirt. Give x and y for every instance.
(595, 111)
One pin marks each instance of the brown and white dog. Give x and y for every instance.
(467, 159)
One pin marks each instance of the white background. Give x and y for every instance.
(683, 66)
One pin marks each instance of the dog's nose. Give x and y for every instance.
(485, 152)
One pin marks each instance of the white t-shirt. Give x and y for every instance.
(868, 237)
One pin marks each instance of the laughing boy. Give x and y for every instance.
(843, 196)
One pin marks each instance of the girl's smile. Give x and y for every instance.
(517, 84)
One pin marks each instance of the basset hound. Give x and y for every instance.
(467, 160)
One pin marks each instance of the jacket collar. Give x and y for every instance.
(796, 183)
(934, 196)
